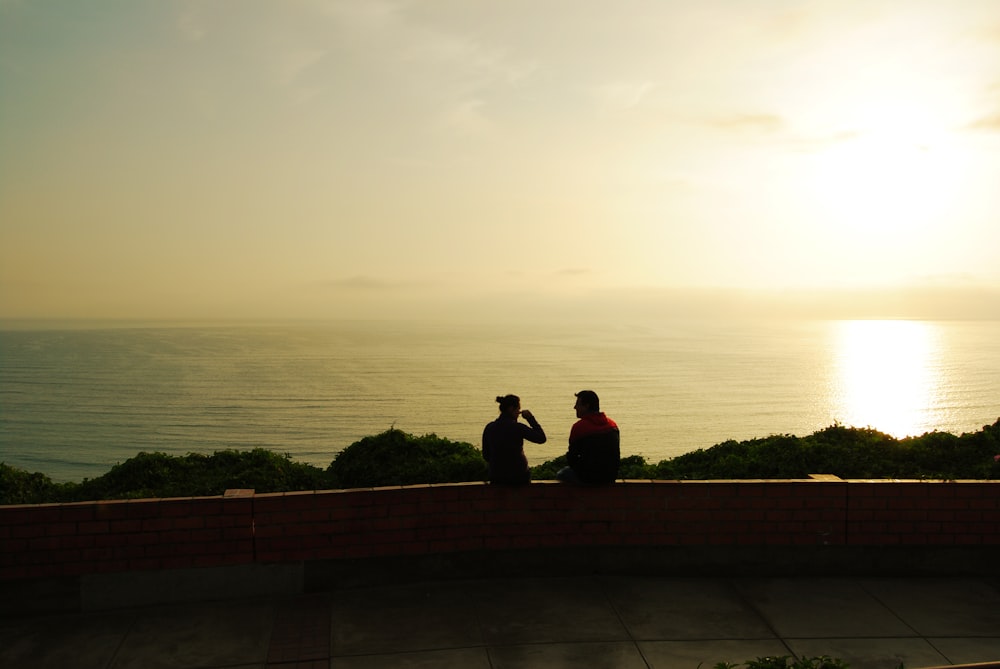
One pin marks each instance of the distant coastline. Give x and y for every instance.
(929, 300)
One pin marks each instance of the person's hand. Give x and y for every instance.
(528, 416)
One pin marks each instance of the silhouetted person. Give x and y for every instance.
(594, 444)
(503, 442)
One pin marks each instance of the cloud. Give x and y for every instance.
(454, 75)
(364, 16)
(359, 283)
(811, 144)
(191, 25)
(289, 66)
(621, 96)
(987, 124)
(291, 63)
(468, 118)
(777, 129)
(990, 33)
(404, 38)
(480, 63)
(765, 123)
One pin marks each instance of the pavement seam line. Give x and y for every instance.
(621, 620)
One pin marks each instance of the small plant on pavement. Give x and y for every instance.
(782, 662)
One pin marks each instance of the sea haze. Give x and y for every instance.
(75, 401)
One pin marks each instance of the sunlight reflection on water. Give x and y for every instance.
(888, 375)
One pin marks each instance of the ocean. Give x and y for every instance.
(76, 400)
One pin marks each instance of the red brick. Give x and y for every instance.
(279, 518)
(129, 552)
(105, 540)
(142, 538)
(43, 544)
(972, 490)
(14, 573)
(226, 521)
(692, 539)
(143, 508)
(146, 563)
(496, 543)
(79, 541)
(28, 513)
(76, 512)
(295, 501)
(184, 506)
(940, 539)
(819, 515)
(111, 509)
(210, 535)
(269, 531)
(94, 527)
(237, 506)
(27, 531)
(175, 536)
(868, 503)
(264, 503)
(177, 562)
(125, 526)
(193, 522)
(157, 524)
(59, 528)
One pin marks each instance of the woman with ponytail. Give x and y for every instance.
(503, 442)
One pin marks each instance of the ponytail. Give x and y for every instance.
(507, 401)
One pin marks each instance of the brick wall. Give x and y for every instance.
(116, 536)
(94, 537)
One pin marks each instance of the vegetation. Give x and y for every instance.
(395, 457)
(162, 475)
(787, 662)
(847, 452)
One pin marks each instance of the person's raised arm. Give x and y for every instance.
(534, 433)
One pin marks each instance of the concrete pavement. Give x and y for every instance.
(618, 622)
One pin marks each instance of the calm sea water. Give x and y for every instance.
(74, 402)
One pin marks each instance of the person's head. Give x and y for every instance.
(510, 405)
(586, 402)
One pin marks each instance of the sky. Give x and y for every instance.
(359, 159)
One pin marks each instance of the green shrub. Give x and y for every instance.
(631, 467)
(787, 662)
(547, 470)
(397, 458)
(848, 452)
(634, 467)
(782, 662)
(20, 487)
(162, 475)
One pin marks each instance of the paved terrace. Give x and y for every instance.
(592, 621)
(639, 574)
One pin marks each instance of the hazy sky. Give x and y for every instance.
(319, 159)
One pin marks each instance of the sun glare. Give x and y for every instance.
(895, 176)
(886, 376)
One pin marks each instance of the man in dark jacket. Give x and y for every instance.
(594, 448)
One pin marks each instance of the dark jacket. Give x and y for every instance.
(594, 448)
(503, 448)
